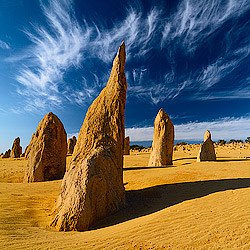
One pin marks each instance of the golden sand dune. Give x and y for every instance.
(190, 205)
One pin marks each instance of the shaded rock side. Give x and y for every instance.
(207, 152)
(27, 149)
(16, 149)
(7, 154)
(126, 146)
(47, 151)
(93, 187)
(71, 145)
(163, 141)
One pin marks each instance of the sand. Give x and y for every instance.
(189, 205)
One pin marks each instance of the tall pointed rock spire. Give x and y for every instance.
(93, 187)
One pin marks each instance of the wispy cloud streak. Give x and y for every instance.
(225, 128)
(68, 43)
(137, 30)
(53, 52)
(194, 21)
(4, 45)
(189, 27)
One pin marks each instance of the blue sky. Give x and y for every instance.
(189, 57)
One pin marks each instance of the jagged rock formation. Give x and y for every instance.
(47, 151)
(71, 145)
(126, 146)
(7, 154)
(16, 149)
(163, 141)
(93, 187)
(207, 152)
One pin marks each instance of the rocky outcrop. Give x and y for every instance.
(7, 154)
(163, 141)
(47, 151)
(126, 146)
(71, 145)
(207, 152)
(16, 149)
(93, 187)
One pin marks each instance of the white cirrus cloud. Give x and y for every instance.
(4, 45)
(225, 128)
(188, 27)
(106, 40)
(136, 30)
(196, 20)
(53, 52)
(68, 43)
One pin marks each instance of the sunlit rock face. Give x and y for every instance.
(207, 152)
(93, 187)
(47, 151)
(16, 149)
(163, 141)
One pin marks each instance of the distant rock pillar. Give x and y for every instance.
(7, 154)
(207, 152)
(16, 149)
(71, 145)
(47, 151)
(163, 141)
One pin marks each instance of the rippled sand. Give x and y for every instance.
(189, 205)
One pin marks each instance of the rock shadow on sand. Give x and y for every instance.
(185, 158)
(233, 159)
(149, 200)
(143, 168)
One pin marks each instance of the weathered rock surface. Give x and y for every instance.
(163, 141)
(27, 149)
(47, 151)
(207, 152)
(126, 146)
(93, 187)
(16, 149)
(71, 145)
(7, 154)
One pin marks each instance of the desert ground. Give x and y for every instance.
(190, 205)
